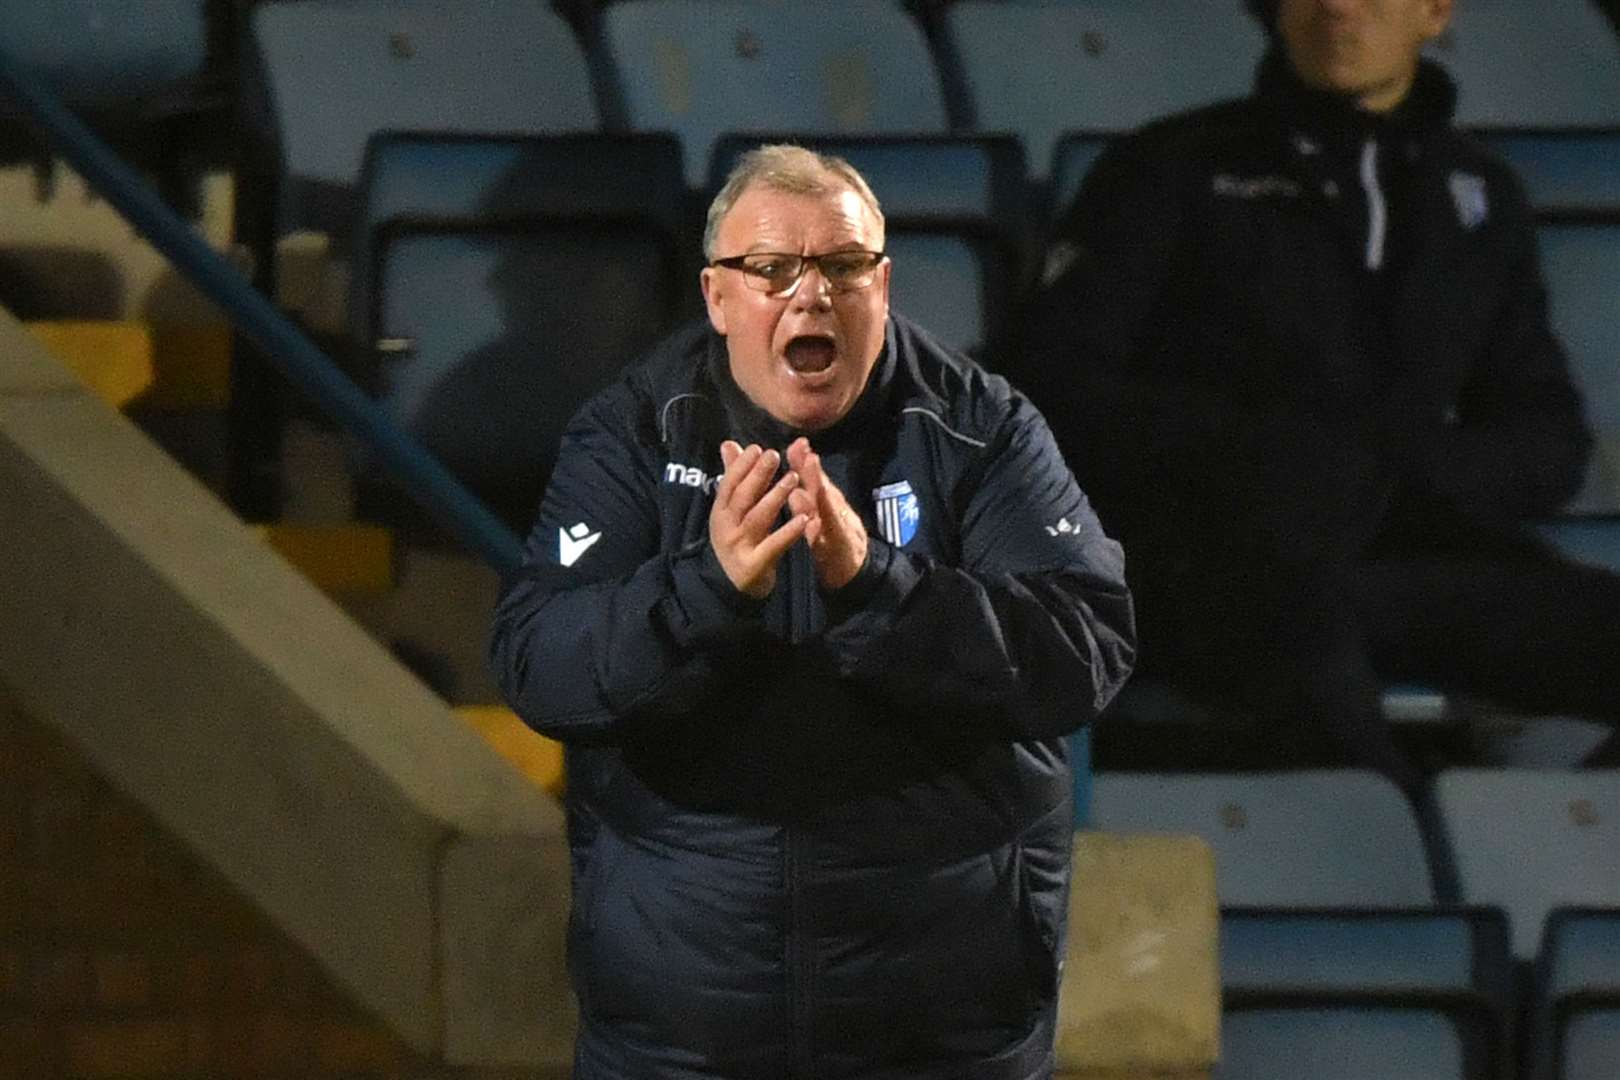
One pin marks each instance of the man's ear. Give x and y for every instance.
(709, 281)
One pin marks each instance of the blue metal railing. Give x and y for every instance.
(278, 337)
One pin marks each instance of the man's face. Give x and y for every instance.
(803, 357)
(1367, 50)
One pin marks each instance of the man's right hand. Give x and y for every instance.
(742, 521)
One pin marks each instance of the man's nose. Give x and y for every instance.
(813, 291)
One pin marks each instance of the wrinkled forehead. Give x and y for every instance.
(764, 215)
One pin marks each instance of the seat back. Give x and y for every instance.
(1529, 841)
(98, 54)
(700, 68)
(331, 73)
(1040, 70)
(1550, 64)
(1581, 262)
(1309, 838)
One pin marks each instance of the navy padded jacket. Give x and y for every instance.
(817, 835)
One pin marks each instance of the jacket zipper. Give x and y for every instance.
(796, 859)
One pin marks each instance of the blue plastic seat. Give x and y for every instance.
(701, 68)
(1306, 838)
(1564, 169)
(1581, 261)
(1453, 960)
(1352, 1038)
(1549, 64)
(1040, 70)
(955, 207)
(335, 72)
(1530, 841)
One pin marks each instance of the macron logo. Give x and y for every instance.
(574, 541)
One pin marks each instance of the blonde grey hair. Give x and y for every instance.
(790, 169)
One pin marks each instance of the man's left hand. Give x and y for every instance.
(835, 532)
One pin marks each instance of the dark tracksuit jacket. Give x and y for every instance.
(817, 835)
(1279, 336)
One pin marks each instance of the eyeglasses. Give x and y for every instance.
(779, 273)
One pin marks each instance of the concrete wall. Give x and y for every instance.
(256, 722)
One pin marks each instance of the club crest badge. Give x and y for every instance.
(1468, 195)
(897, 512)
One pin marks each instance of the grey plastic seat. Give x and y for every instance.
(335, 72)
(1530, 840)
(1306, 838)
(701, 68)
(1040, 70)
(1548, 64)
(1353, 1039)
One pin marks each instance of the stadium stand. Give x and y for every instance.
(701, 68)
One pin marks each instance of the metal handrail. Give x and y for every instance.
(278, 337)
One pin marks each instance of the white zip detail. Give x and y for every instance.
(1377, 209)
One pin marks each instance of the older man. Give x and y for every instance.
(1299, 348)
(813, 602)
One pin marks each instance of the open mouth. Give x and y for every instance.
(810, 354)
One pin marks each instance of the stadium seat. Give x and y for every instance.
(1350, 1037)
(330, 73)
(98, 54)
(1577, 1009)
(1306, 838)
(700, 68)
(1039, 70)
(1551, 64)
(1529, 841)
(1452, 960)
(506, 280)
(1581, 261)
(1564, 169)
(957, 221)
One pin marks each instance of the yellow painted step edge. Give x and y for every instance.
(114, 359)
(342, 558)
(534, 755)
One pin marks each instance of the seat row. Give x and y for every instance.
(1337, 960)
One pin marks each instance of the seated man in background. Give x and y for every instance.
(813, 603)
(1297, 348)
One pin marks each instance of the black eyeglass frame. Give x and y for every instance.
(739, 263)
